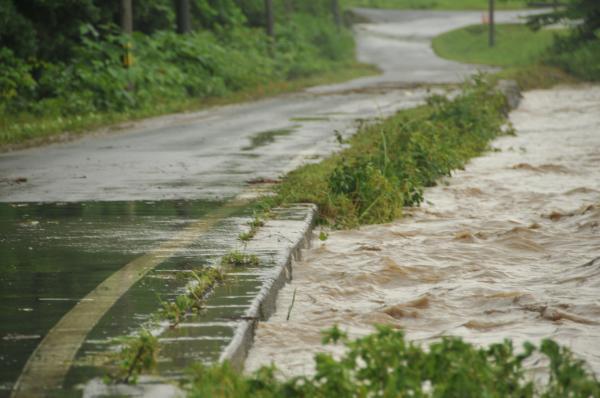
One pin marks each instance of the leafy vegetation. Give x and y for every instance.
(239, 259)
(517, 45)
(384, 364)
(74, 78)
(138, 355)
(579, 51)
(386, 165)
(204, 281)
(254, 225)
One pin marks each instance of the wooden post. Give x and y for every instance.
(183, 16)
(492, 33)
(269, 18)
(335, 9)
(126, 16)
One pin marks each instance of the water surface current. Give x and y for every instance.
(507, 248)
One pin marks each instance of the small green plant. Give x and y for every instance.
(384, 364)
(175, 311)
(138, 355)
(254, 225)
(239, 259)
(246, 236)
(323, 236)
(206, 279)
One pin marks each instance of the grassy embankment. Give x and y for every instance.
(385, 166)
(171, 73)
(522, 53)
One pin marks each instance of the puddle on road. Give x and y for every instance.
(504, 249)
(265, 138)
(52, 255)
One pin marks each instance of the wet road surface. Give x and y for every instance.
(208, 155)
(508, 248)
(72, 214)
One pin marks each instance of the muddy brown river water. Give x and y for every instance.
(508, 248)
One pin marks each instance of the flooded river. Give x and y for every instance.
(508, 248)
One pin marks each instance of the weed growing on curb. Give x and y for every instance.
(254, 225)
(138, 355)
(239, 259)
(386, 165)
(205, 279)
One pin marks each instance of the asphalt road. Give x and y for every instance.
(210, 155)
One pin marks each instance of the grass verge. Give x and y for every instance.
(385, 166)
(519, 50)
(384, 364)
(23, 131)
(516, 45)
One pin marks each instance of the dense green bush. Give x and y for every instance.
(387, 164)
(169, 66)
(384, 364)
(61, 62)
(580, 58)
(579, 52)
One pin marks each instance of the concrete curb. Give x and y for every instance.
(264, 304)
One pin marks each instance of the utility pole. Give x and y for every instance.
(183, 16)
(492, 33)
(269, 18)
(335, 9)
(126, 17)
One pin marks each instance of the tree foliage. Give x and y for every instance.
(584, 14)
(578, 52)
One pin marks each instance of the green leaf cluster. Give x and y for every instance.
(579, 52)
(384, 364)
(386, 165)
(138, 355)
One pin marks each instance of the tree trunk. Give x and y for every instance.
(269, 18)
(126, 16)
(183, 16)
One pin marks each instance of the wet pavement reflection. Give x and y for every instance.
(53, 255)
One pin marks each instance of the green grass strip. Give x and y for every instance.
(385, 166)
(516, 45)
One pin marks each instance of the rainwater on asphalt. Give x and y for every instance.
(53, 254)
(507, 248)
